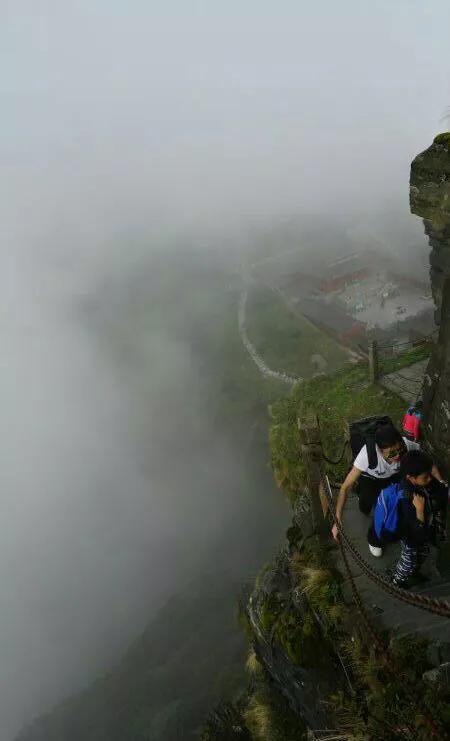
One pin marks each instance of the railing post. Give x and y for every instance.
(374, 371)
(311, 452)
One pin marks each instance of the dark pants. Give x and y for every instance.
(369, 488)
(374, 540)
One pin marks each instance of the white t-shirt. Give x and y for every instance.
(383, 469)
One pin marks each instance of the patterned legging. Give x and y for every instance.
(409, 563)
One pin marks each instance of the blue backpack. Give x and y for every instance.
(385, 517)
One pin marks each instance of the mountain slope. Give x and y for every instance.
(168, 680)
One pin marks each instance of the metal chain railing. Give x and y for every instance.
(378, 641)
(435, 730)
(412, 343)
(423, 602)
(387, 351)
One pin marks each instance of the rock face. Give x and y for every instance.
(430, 199)
(301, 664)
(306, 687)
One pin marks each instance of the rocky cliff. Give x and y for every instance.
(338, 663)
(430, 199)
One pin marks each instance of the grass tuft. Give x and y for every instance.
(253, 664)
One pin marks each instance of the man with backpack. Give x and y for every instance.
(410, 509)
(376, 465)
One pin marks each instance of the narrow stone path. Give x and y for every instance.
(407, 382)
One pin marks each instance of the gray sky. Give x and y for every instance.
(161, 118)
(193, 110)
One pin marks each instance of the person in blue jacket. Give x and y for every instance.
(412, 510)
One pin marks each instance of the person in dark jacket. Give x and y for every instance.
(419, 513)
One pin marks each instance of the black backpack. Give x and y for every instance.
(362, 432)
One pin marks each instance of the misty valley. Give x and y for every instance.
(225, 371)
(196, 417)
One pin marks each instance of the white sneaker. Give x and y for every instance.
(375, 551)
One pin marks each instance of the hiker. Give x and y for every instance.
(390, 446)
(392, 508)
(420, 501)
(411, 422)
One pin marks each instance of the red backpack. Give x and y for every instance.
(411, 424)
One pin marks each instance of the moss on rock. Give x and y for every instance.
(269, 717)
(443, 138)
(271, 609)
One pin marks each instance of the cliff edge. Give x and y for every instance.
(429, 194)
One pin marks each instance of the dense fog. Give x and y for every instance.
(131, 130)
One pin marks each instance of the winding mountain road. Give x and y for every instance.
(255, 356)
